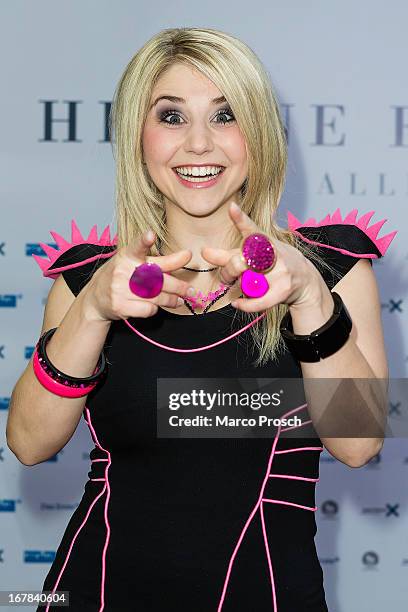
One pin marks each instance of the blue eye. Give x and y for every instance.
(225, 111)
(173, 112)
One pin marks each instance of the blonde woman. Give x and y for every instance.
(204, 524)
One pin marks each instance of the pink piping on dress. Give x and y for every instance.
(293, 477)
(259, 506)
(200, 348)
(93, 433)
(72, 542)
(107, 489)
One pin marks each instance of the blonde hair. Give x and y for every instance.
(238, 73)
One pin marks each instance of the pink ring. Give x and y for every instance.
(146, 280)
(253, 284)
(258, 252)
(259, 255)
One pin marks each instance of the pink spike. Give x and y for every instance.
(61, 242)
(373, 230)
(50, 251)
(365, 219)
(311, 222)
(115, 239)
(93, 235)
(105, 240)
(293, 222)
(77, 237)
(324, 221)
(384, 242)
(350, 219)
(43, 263)
(336, 217)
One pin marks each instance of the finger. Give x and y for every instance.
(252, 304)
(140, 247)
(233, 269)
(175, 286)
(147, 309)
(162, 299)
(167, 263)
(138, 251)
(171, 285)
(231, 266)
(172, 261)
(244, 223)
(217, 257)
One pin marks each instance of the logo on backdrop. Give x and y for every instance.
(387, 510)
(9, 505)
(38, 556)
(329, 122)
(370, 559)
(330, 509)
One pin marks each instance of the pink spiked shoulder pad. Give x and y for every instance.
(346, 235)
(72, 254)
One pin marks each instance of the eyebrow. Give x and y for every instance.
(182, 101)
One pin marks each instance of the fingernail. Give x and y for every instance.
(191, 291)
(180, 301)
(235, 205)
(149, 235)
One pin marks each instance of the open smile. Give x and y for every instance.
(198, 182)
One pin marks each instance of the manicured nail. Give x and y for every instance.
(191, 291)
(180, 301)
(149, 235)
(235, 205)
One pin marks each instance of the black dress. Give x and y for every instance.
(205, 525)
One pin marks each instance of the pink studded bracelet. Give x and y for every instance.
(56, 381)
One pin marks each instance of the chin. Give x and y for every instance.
(202, 209)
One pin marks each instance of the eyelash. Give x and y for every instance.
(167, 113)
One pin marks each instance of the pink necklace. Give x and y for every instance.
(200, 299)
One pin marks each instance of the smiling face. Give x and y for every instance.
(198, 136)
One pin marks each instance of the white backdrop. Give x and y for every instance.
(339, 70)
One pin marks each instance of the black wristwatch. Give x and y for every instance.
(322, 342)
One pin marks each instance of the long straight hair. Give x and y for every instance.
(241, 77)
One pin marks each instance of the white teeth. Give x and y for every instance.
(197, 171)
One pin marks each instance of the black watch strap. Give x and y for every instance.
(322, 342)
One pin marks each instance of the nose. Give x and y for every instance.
(198, 139)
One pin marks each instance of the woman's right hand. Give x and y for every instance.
(108, 296)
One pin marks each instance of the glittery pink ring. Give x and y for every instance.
(146, 280)
(260, 257)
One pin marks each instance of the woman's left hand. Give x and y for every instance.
(293, 280)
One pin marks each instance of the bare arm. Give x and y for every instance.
(40, 423)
